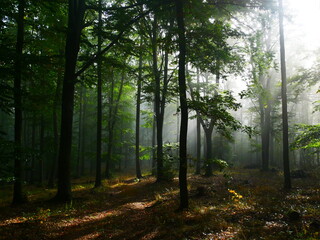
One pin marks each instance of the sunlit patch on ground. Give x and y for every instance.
(229, 233)
(88, 218)
(275, 225)
(89, 236)
(136, 205)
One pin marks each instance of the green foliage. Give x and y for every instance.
(148, 117)
(169, 160)
(308, 136)
(145, 152)
(208, 48)
(221, 164)
(216, 109)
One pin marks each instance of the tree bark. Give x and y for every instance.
(41, 157)
(285, 137)
(83, 140)
(99, 102)
(138, 167)
(76, 12)
(184, 201)
(208, 133)
(18, 196)
(198, 165)
(80, 129)
(157, 100)
(113, 111)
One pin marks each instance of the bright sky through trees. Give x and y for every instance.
(305, 19)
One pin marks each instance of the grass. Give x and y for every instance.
(247, 204)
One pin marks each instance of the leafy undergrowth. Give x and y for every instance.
(250, 205)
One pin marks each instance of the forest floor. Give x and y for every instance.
(244, 204)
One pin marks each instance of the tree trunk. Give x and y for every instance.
(110, 128)
(286, 162)
(138, 168)
(154, 157)
(53, 170)
(80, 129)
(157, 102)
(208, 134)
(184, 202)
(41, 157)
(266, 139)
(83, 140)
(33, 147)
(113, 111)
(198, 165)
(99, 102)
(75, 20)
(18, 196)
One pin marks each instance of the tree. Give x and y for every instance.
(198, 166)
(184, 202)
(285, 134)
(259, 87)
(114, 102)
(213, 113)
(99, 101)
(139, 83)
(18, 196)
(76, 10)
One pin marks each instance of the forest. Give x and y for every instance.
(159, 119)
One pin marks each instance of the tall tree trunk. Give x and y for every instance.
(41, 157)
(184, 201)
(53, 169)
(113, 111)
(138, 168)
(208, 134)
(110, 129)
(18, 196)
(286, 162)
(76, 12)
(80, 129)
(157, 101)
(83, 140)
(99, 102)
(154, 136)
(198, 165)
(33, 147)
(266, 138)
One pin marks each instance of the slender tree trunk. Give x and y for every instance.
(208, 134)
(18, 196)
(99, 102)
(286, 162)
(154, 156)
(75, 21)
(113, 111)
(33, 146)
(83, 140)
(53, 170)
(184, 202)
(157, 100)
(41, 157)
(137, 150)
(266, 139)
(80, 129)
(198, 165)
(110, 130)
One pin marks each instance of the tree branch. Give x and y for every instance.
(113, 42)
